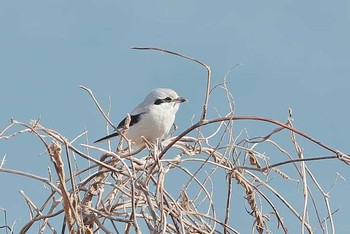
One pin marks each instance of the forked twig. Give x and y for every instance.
(173, 186)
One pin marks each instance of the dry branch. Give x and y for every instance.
(173, 187)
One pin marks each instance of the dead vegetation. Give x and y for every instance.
(122, 191)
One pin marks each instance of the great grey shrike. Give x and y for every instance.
(152, 118)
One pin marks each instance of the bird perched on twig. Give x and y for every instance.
(152, 118)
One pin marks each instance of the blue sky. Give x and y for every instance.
(293, 54)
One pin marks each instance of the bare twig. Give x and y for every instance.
(173, 186)
(207, 67)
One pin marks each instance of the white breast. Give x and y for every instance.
(152, 125)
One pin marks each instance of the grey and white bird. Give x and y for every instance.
(152, 118)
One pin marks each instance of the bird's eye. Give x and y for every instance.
(167, 99)
(158, 102)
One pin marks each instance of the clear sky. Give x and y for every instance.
(293, 54)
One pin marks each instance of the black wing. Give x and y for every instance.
(134, 119)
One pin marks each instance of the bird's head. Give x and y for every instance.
(164, 98)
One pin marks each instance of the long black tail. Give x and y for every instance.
(114, 134)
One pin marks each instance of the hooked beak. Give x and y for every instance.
(180, 100)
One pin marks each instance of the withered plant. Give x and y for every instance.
(184, 184)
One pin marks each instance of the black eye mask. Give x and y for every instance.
(160, 101)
